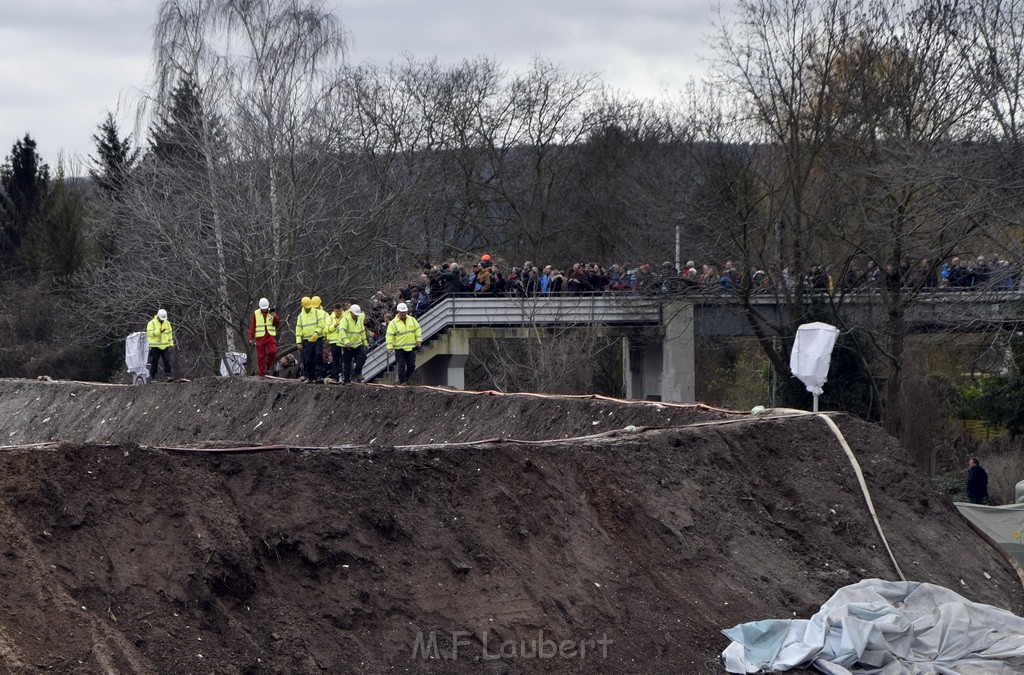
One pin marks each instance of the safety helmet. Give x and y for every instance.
(162, 314)
(485, 256)
(264, 303)
(402, 307)
(316, 300)
(307, 302)
(356, 310)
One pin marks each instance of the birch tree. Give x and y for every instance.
(236, 198)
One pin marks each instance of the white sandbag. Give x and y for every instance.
(812, 352)
(136, 351)
(233, 364)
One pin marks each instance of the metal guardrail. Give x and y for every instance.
(623, 310)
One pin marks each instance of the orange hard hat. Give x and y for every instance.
(485, 257)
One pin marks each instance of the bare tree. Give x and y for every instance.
(837, 151)
(236, 198)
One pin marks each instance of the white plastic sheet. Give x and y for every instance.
(136, 351)
(232, 364)
(877, 627)
(812, 352)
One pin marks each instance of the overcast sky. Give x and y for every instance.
(64, 63)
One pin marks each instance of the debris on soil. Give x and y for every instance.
(358, 546)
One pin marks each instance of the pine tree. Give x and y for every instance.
(56, 246)
(114, 159)
(177, 138)
(24, 183)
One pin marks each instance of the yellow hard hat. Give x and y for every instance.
(316, 300)
(306, 302)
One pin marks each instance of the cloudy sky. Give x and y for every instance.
(64, 63)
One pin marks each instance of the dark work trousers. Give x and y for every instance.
(312, 355)
(352, 361)
(336, 361)
(155, 354)
(406, 361)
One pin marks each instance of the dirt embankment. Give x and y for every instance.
(253, 411)
(635, 549)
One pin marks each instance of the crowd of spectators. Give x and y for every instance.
(488, 278)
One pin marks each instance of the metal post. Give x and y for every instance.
(815, 403)
(678, 259)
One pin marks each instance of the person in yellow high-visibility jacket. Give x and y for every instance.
(336, 338)
(161, 341)
(402, 337)
(310, 327)
(263, 327)
(353, 354)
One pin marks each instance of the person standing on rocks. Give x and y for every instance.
(161, 341)
(977, 482)
(310, 325)
(263, 333)
(402, 337)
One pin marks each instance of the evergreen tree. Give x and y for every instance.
(178, 137)
(114, 159)
(57, 243)
(24, 183)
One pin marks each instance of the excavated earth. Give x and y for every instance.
(372, 531)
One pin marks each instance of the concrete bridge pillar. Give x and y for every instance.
(658, 365)
(444, 360)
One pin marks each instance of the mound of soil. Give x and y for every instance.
(615, 553)
(254, 411)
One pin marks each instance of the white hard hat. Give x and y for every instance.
(402, 307)
(356, 310)
(264, 303)
(162, 314)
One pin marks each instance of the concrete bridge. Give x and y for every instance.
(963, 311)
(658, 349)
(659, 331)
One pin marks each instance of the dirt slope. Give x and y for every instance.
(120, 558)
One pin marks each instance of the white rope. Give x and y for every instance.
(863, 489)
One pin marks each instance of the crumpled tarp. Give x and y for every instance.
(881, 627)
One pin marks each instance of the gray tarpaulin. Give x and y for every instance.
(885, 628)
(1003, 523)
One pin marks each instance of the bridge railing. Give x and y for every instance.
(451, 312)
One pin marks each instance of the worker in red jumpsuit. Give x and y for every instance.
(263, 333)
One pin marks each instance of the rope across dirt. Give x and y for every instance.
(388, 527)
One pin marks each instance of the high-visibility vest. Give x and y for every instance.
(310, 323)
(160, 333)
(403, 334)
(335, 335)
(264, 324)
(354, 329)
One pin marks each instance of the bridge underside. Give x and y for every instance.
(657, 361)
